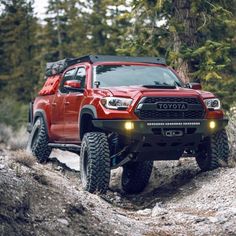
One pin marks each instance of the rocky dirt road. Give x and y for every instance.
(48, 200)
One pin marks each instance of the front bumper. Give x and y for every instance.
(159, 127)
(161, 140)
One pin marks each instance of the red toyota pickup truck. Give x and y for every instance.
(125, 111)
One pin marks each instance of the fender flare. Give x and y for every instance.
(88, 110)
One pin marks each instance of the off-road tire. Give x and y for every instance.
(95, 162)
(215, 152)
(135, 176)
(38, 141)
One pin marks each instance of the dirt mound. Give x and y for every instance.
(180, 200)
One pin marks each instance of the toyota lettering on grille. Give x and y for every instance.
(180, 106)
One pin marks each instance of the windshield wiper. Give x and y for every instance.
(159, 86)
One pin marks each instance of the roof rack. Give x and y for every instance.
(104, 58)
(53, 68)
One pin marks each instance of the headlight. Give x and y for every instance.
(116, 103)
(213, 103)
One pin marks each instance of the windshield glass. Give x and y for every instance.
(130, 75)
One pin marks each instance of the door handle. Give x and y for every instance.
(66, 103)
(54, 104)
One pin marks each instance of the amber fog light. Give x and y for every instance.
(212, 124)
(129, 125)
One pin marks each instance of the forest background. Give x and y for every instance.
(196, 37)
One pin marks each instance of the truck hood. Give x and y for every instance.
(133, 91)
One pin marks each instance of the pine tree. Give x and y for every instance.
(17, 45)
(106, 24)
(117, 24)
(146, 36)
(55, 31)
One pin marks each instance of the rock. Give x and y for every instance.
(2, 166)
(179, 163)
(144, 212)
(117, 233)
(158, 210)
(117, 198)
(222, 219)
(233, 210)
(76, 209)
(90, 204)
(198, 220)
(228, 212)
(58, 168)
(213, 219)
(63, 221)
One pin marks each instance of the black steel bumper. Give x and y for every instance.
(157, 127)
(162, 140)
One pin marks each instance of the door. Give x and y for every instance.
(58, 108)
(73, 102)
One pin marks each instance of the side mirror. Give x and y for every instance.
(196, 86)
(73, 85)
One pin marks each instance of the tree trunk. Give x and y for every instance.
(59, 40)
(184, 35)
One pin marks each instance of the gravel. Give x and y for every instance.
(179, 200)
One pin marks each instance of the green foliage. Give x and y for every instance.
(144, 36)
(77, 28)
(224, 89)
(199, 34)
(13, 113)
(19, 70)
(211, 59)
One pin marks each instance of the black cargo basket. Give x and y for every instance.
(54, 68)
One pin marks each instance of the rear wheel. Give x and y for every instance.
(214, 152)
(38, 141)
(135, 176)
(95, 162)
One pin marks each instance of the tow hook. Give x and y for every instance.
(174, 133)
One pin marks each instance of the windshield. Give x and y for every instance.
(130, 75)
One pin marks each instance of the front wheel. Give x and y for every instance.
(214, 152)
(135, 176)
(95, 162)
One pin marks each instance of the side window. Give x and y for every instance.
(69, 75)
(81, 76)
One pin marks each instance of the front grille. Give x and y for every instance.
(188, 100)
(149, 111)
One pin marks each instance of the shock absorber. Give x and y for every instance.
(113, 143)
